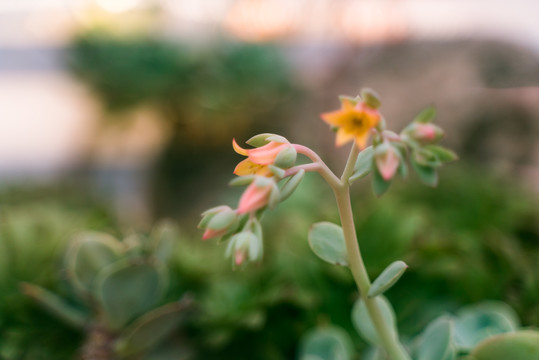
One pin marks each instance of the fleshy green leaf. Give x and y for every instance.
(88, 254)
(327, 242)
(362, 321)
(426, 174)
(521, 345)
(387, 278)
(435, 343)
(477, 322)
(126, 290)
(328, 343)
(286, 157)
(277, 171)
(363, 165)
(426, 115)
(222, 220)
(442, 154)
(151, 328)
(291, 185)
(55, 305)
(379, 185)
(163, 237)
(242, 180)
(262, 139)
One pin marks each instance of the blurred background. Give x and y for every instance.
(115, 114)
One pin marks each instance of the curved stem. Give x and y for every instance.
(387, 336)
(323, 169)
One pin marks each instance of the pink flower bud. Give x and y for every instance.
(387, 160)
(209, 233)
(256, 196)
(426, 132)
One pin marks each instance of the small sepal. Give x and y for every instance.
(263, 139)
(371, 98)
(286, 157)
(291, 185)
(387, 278)
(363, 165)
(427, 115)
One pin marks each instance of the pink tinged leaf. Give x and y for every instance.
(388, 163)
(209, 233)
(239, 257)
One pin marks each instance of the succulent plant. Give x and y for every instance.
(118, 285)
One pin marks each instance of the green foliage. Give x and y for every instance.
(362, 321)
(327, 242)
(387, 278)
(326, 343)
(34, 230)
(435, 342)
(522, 345)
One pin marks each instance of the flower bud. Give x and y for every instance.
(387, 160)
(244, 246)
(424, 132)
(256, 196)
(217, 221)
(286, 157)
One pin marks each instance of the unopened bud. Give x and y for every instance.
(286, 157)
(424, 132)
(387, 160)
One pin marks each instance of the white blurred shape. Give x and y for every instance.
(118, 6)
(44, 121)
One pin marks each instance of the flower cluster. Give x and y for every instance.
(359, 118)
(265, 165)
(272, 158)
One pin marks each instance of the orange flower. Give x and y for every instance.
(354, 122)
(258, 159)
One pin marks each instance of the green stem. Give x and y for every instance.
(386, 335)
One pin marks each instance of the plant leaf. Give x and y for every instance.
(426, 174)
(426, 115)
(362, 321)
(477, 322)
(126, 290)
(436, 340)
(328, 343)
(442, 154)
(379, 185)
(291, 185)
(327, 242)
(363, 164)
(151, 328)
(387, 278)
(55, 305)
(521, 345)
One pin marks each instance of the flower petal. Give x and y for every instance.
(343, 137)
(238, 148)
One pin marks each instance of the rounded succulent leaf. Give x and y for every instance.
(327, 242)
(362, 321)
(88, 254)
(126, 290)
(329, 343)
(521, 345)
